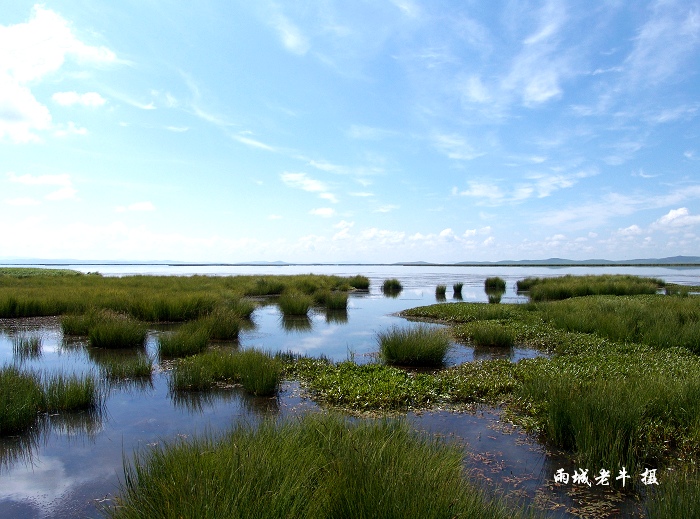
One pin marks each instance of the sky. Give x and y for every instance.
(363, 131)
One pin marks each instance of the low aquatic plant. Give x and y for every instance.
(359, 282)
(139, 366)
(223, 324)
(71, 392)
(457, 289)
(115, 331)
(440, 291)
(417, 346)
(26, 347)
(392, 287)
(331, 300)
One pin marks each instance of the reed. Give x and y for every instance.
(21, 398)
(457, 289)
(319, 466)
(392, 287)
(440, 291)
(419, 346)
(295, 303)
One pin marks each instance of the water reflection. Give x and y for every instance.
(84, 424)
(337, 316)
(197, 402)
(296, 323)
(21, 448)
(26, 347)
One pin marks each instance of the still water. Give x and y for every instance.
(70, 465)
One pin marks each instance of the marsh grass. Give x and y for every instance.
(457, 290)
(331, 300)
(677, 495)
(189, 339)
(71, 392)
(223, 324)
(295, 303)
(21, 398)
(26, 347)
(258, 372)
(359, 282)
(114, 331)
(494, 297)
(320, 466)
(495, 283)
(440, 292)
(392, 286)
(492, 333)
(564, 287)
(418, 346)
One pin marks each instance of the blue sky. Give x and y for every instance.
(370, 131)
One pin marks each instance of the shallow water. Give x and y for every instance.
(69, 465)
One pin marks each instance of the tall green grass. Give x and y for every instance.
(71, 392)
(137, 367)
(331, 300)
(316, 467)
(495, 283)
(457, 290)
(189, 339)
(418, 346)
(359, 282)
(564, 287)
(258, 372)
(392, 285)
(492, 333)
(21, 398)
(223, 324)
(114, 331)
(295, 303)
(440, 292)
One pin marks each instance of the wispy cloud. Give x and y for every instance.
(63, 181)
(89, 99)
(455, 147)
(289, 33)
(253, 143)
(303, 181)
(325, 212)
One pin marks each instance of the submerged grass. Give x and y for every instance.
(26, 347)
(316, 467)
(418, 346)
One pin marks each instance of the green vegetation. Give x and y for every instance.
(114, 331)
(223, 324)
(418, 346)
(359, 282)
(564, 287)
(392, 286)
(21, 398)
(128, 368)
(495, 283)
(27, 272)
(457, 289)
(295, 303)
(491, 333)
(23, 395)
(26, 347)
(440, 291)
(331, 300)
(70, 393)
(258, 372)
(317, 467)
(189, 339)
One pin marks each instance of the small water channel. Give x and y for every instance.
(70, 465)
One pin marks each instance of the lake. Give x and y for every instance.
(70, 465)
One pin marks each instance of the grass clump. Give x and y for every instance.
(495, 283)
(419, 346)
(492, 333)
(320, 466)
(71, 393)
(392, 287)
(223, 324)
(189, 339)
(114, 331)
(440, 291)
(457, 289)
(331, 300)
(359, 282)
(21, 398)
(564, 287)
(258, 372)
(295, 303)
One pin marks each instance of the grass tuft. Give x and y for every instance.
(191, 338)
(295, 303)
(495, 283)
(492, 333)
(419, 346)
(26, 347)
(21, 398)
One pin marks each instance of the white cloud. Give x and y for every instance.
(329, 196)
(455, 147)
(63, 181)
(303, 181)
(325, 212)
(89, 99)
(386, 208)
(29, 52)
(290, 35)
(676, 218)
(253, 143)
